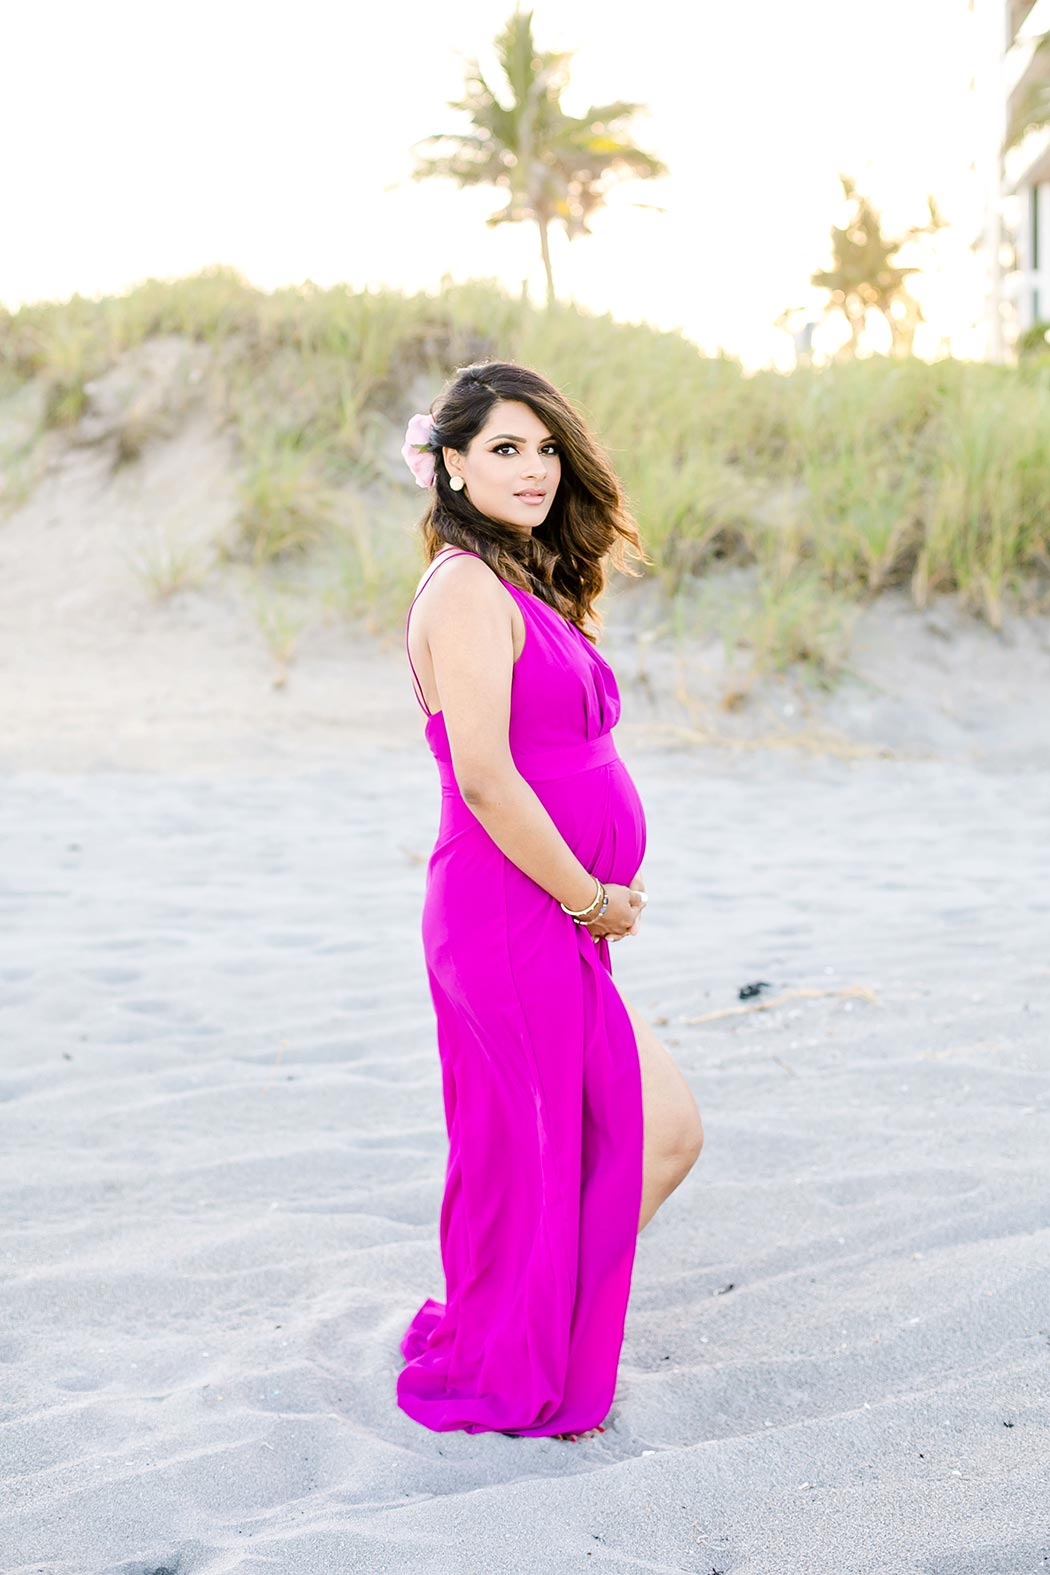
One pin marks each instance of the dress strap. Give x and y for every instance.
(433, 570)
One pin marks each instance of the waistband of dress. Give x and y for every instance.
(542, 765)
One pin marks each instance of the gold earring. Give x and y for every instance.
(456, 483)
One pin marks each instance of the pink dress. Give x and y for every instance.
(540, 1076)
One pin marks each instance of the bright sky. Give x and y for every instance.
(153, 139)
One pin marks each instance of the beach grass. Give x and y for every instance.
(166, 563)
(831, 484)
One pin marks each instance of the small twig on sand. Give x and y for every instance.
(862, 991)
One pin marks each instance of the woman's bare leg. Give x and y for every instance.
(674, 1132)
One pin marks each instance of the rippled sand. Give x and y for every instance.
(222, 1163)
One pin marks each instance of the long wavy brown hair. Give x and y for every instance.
(563, 561)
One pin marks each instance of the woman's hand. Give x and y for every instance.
(637, 884)
(623, 912)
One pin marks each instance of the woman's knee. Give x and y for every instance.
(674, 1131)
(687, 1137)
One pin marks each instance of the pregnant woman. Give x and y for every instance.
(568, 1122)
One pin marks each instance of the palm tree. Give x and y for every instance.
(553, 166)
(864, 276)
(1033, 107)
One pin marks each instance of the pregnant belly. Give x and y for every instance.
(601, 816)
(471, 883)
(598, 812)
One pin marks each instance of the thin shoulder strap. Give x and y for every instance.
(434, 567)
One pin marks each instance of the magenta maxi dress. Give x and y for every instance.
(540, 1075)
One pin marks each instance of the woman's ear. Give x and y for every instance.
(451, 458)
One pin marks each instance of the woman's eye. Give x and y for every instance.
(553, 447)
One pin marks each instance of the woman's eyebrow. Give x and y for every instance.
(513, 439)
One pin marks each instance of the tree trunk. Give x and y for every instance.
(855, 316)
(546, 251)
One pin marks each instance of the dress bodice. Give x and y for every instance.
(564, 699)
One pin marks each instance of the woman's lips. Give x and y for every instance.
(531, 497)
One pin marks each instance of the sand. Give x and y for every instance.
(222, 1143)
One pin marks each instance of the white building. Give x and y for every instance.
(1014, 243)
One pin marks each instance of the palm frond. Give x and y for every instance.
(1033, 108)
(555, 167)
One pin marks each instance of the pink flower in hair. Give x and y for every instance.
(416, 451)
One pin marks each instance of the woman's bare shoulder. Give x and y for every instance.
(468, 569)
(466, 601)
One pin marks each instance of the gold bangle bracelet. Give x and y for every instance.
(579, 912)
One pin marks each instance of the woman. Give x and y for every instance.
(568, 1122)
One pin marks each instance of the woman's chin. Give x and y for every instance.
(531, 518)
(523, 529)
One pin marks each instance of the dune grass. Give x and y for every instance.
(166, 564)
(831, 484)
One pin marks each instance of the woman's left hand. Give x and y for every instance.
(637, 884)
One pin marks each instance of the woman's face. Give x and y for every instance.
(512, 467)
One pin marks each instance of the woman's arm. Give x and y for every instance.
(518, 823)
(470, 636)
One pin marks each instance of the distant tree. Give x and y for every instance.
(864, 276)
(553, 166)
(1034, 341)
